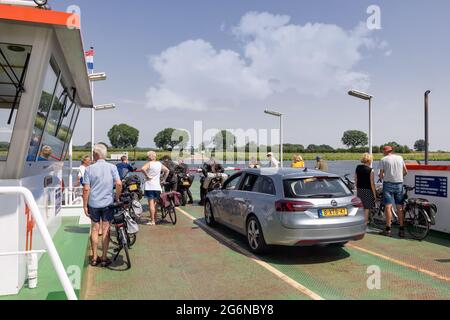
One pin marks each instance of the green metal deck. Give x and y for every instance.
(191, 261)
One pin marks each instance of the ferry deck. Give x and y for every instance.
(43, 85)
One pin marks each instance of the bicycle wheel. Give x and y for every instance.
(417, 223)
(132, 239)
(172, 213)
(377, 217)
(124, 244)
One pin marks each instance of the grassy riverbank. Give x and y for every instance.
(141, 155)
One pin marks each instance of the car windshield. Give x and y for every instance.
(316, 187)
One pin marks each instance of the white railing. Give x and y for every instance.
(73, 196)
(50, 246)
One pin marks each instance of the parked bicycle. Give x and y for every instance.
(132, 215)
(419, 213)
(168, 202)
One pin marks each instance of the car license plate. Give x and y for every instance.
(340, 212)
(133, 187)
(186, 183)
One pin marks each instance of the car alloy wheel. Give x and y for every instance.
(253, 234)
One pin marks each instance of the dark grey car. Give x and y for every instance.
(288, 207)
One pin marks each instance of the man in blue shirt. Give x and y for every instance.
(98, 196)
(124, 167)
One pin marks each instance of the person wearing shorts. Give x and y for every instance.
(152, 189)
(98, 195)
(392, 173)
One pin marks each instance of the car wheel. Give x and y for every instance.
(209, 215)
(255, 237)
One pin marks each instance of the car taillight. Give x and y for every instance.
(293, 206)
(356, 202)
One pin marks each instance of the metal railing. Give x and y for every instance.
(50, 246)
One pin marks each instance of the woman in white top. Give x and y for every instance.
(152, 172)
(85, 162)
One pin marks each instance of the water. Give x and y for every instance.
(340, 168)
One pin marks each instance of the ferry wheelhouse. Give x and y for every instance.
(43, 85)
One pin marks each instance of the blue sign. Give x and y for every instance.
(432, 186)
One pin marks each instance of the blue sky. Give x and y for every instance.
(224, 62)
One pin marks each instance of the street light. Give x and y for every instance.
(280, 115)
(367, 97)
(107, 106)
(100, 76)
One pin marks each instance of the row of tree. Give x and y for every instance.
(123, 136)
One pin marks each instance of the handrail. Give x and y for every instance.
(50, 246)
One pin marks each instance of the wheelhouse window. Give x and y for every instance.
(56, 118)
(14, 59)
(45, 104)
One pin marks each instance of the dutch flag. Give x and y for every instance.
(90, 58)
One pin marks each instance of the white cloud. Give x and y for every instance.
(277, 56)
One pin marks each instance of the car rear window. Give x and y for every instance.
(318, 187)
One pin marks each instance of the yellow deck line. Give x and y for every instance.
(401, 263)
(263, 264)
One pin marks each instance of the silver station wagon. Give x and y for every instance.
(290, 207)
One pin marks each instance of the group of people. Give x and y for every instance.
(102, 186)
(297, 163)
(392, 170)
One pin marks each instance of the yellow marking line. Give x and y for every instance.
(403, 264)
(263, 264)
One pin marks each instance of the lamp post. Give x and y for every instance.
(280, 115)
(367, 97)
(427, 144)
(100, 76)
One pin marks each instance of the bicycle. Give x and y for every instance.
(122, 236)
(126, 203)
(168, 203)
(419, 214)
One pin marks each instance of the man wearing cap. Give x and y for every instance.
(321, 164)
(273, 162)
(392, 172)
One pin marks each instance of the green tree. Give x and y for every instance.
(169, 138)
(224, 140)
(355, 138)
(123, 136)
(419, 145)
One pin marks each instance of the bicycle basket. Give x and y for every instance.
(132, 226)
(119, 216)
(137, 207)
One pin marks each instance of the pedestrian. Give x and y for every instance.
(152, 172)
(321, 164)
(254, 164)
(85, 162)
(298, 162)
(392, 172)
(273, 162)
(124, 167)
(365, 184)
(98, 196)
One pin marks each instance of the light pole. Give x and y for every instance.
(101, 76)
(367, 97)
(280, 115)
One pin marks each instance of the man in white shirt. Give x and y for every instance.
(392, 172)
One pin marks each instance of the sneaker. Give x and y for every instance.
(149, 223)
(387, 233)
(401, 233)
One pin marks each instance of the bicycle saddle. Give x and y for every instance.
(409, 188)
